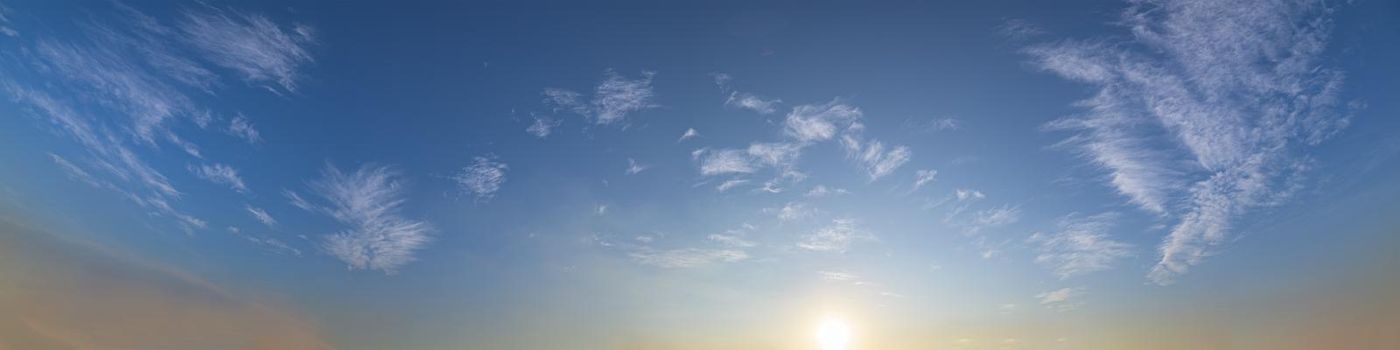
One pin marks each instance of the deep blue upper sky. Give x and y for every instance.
(427, 175)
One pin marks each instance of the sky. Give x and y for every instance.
(1146, 174)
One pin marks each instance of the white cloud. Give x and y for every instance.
(369, 202)
(1080, 246)
(243, 129)
(878, 162)
(614, 98)
(688, 257)
(250, 44)
(838, 276)
(689, 134)
(809, 123)
(776, 154)
(482, 178)
(932, 125)
(75, 172)
(743, 99)
(923, 177)
(126, 73)
(752, 102)
(633, 167)
(220, 174)
(836, 237)
(543, 126)
(723, 162)
(1061, 299)
(298, 201)
(731, 240)
(261, 215)
(1203, 117)
(966, 194)
(792, 211)
(1003, 215)
(728, 184)
(819, 191)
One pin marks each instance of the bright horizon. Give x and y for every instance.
(1145, 174)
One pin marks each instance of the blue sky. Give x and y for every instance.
(992, 175)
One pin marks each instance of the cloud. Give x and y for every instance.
(811, 123)
(124, 73)
(745, 100)
(298, 201)
(261, 215)
(5, 23)
(923, 177)
(719, 162)
(728, 184)
(252, 45)
(1061, 299)
(614, 98)
(1081, 245)
(752, 102)
(75, 172)
(932, 125)
(241, 128)
(1000, 216)
(731, 240)
(689, 134)
(819, 191)
(792, 211)
(368, 201)
(876, 160)
(1020, 29)
(1206, 115)
(220, 174)
(543, 126)
(633, 167)
(968, 194)
(688, 257)
(482, 178)
(836, 237)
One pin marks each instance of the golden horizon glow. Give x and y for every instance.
(833, 334)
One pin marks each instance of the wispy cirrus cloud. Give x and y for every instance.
(124, 80)
(240, 127)
(744, 100)
(874, 158)
(836, 237)
(1080, 245)
(1207, 114)
(1062, 299)
(369, 201)
(687, 257)
(633, 167)
(923, 177)
(812, 123)
(614, 98)
(482, 178)
(689, 133)
(220, 174)
(261, 215)
(258, 49)
(541, 127)
(805, 126)
(716, 162)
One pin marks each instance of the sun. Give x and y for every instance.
(833, 334)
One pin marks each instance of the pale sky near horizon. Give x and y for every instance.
(1148, 174)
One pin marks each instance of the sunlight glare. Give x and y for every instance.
(833, 334)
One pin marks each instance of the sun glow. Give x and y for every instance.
(833, 334)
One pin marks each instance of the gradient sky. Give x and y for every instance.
(1151, 174)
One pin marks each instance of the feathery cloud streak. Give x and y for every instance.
(1205, 114)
